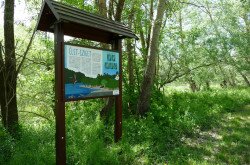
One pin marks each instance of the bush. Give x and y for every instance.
(155, 139)
(6, 146)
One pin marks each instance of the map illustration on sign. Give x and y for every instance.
(90, 72)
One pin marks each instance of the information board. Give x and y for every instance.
(90, 72)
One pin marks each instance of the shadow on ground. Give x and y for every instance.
(226, 143)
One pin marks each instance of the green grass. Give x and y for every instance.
(209, 127)
(226, 143)
(36, 146)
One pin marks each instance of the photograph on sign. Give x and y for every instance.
(90, 72)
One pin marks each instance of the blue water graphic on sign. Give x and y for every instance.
(77, 90)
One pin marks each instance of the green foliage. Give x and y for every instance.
(87, 6)
(6, 145)
(159, 138)
(36, 146)
(86, 135)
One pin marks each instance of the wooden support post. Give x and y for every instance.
(59, 103)
(117, 45)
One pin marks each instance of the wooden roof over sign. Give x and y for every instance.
(81, 24)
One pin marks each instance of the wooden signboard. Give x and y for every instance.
(81, 72)
(90, 73)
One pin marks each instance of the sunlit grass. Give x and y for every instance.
(207, 127)
(226, 143)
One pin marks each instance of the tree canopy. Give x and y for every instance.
(188, 46)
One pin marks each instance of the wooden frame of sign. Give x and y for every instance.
(61, 20)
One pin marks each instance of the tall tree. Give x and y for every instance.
(8, 73)
(130, 64)
(9, 69)
(120, 5)
(149, 75)
(102, 7)
(119, 9)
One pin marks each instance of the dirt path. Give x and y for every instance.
(228, 143)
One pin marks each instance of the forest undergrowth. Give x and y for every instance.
(206, 127)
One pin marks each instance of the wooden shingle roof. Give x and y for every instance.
(81, 24)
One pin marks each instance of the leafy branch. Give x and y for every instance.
(173, 78)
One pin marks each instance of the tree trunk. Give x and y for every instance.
(193, 85)
(119, 9)
(207, 85)
(247, 22)
(233, 78)
(2, 87)
(111, 100)
(130, 68)
(245, 79)
(111, 9)
(149, 75)
(143, 49)
(150, 27)
(9, 76)
(223, 84)
(105, 110)
(102, 8)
